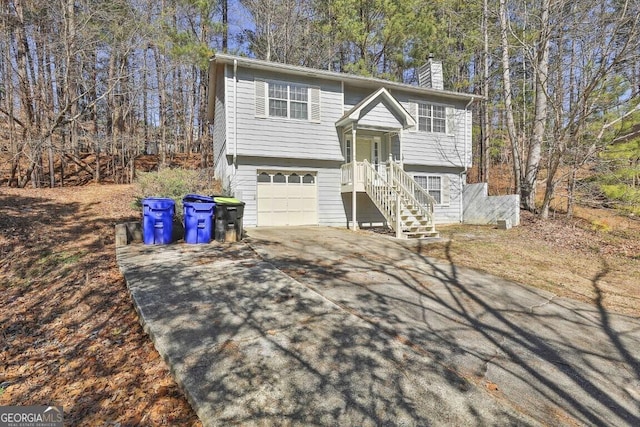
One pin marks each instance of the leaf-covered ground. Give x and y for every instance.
(595, 259)
(69, 333)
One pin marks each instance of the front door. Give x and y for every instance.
(370, 149)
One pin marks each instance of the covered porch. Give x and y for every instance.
(372, 132)
(373, 175)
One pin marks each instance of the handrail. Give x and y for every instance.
(346, 173)
(398, 189)
(412, 190)
(383, 196)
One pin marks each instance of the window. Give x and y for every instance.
(288, 100)
(375, 152)
(298, 96)
(294, 178)
(432, 118)
(278, 100)
(434, 186)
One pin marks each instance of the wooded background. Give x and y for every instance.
(89, 82)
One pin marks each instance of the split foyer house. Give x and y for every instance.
(303, 146)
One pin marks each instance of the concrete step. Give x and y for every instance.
(422, 235)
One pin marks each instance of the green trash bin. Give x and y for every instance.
(228, 219)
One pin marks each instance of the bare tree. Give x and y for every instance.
(507, 91)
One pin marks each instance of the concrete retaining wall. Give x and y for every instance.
(480, 208)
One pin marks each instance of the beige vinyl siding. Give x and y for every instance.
(288, 138)
(330, 208)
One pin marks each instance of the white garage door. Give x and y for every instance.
(287, 198)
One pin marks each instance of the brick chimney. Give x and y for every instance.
(430, 74)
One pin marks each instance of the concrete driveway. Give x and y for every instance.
(321, 326)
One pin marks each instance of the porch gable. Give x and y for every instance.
(380, 109)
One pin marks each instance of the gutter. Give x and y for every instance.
(352, 79)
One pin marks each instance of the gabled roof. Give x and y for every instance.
(371, 82)
(382, 95)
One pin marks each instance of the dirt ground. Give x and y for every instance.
(71, 337)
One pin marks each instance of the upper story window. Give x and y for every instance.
(287, 100)
(432, 118)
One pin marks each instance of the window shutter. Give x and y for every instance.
(446, 192)
(413, 110)
(315, 104)
(261, 101)
(451, 120)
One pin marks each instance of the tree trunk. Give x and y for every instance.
(484, 110)
(571, 191)
(225, 26)
(540, 118)
(52, 168)
(161, 104)
(508, 105)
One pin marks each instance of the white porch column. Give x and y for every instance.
(401, 159)
(354, 224)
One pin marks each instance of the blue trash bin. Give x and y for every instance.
(198, 218)
(157, 220)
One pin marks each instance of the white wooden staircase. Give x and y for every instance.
(406, 206)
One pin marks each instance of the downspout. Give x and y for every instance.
(235, 114)
(463, 174)
(354, 224)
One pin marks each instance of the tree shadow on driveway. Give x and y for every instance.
(556, 360)
(252, 346)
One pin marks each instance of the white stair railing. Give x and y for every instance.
(395, 193)
(411, 191)
(380, 192)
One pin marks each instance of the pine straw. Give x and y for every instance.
(70, 335)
